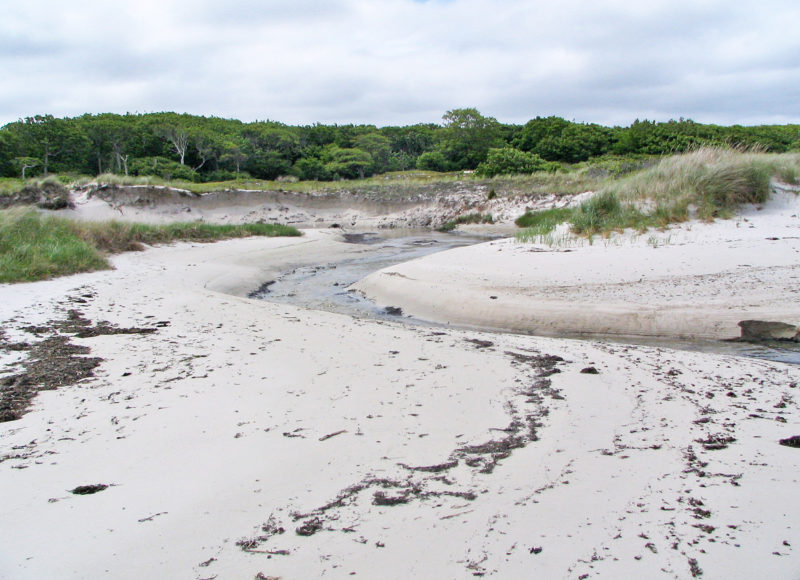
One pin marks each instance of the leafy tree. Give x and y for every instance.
(378, 147)
(311, 169)
(468, 136)
(556, 139)
(22, 164)
(233, 153)
(7, 153)
(349, 163)
(47, 138)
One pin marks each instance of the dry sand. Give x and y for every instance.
(697, 280)
(243, 437)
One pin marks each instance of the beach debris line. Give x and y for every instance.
(54, 361)
(526, 409)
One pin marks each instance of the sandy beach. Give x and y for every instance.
(227, 437)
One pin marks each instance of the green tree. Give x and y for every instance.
(47, 138)
(311, 169)
(378, 147)
(22, 164)
(349, 163)
(234, 152)
(8, 151)
(468, 136)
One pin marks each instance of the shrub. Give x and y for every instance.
(509, 161)
(164, 168)
(433, 161)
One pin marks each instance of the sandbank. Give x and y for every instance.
(695, 280)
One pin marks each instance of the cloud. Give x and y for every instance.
(404, 61)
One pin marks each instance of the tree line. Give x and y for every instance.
(197, 148)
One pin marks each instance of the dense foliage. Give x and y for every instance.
(194, 148)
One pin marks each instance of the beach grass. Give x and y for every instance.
(34, 246)
(708, 183)
(470, 218)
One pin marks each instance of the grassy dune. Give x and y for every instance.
(708, 183)
(37, 247)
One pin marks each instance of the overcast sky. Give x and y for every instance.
(399, 62)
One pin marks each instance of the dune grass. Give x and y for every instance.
(37, 247)
(469, 218)
(708, 183)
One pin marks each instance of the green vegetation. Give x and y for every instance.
(195, 149)
(470, 218)
(510, 161)
(708, 183)
(33, 247)
(36, 247)
(545, 221)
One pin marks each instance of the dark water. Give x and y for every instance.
(324, 287)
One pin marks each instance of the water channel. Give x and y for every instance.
(324, 287)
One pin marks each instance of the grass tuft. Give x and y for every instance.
(540, 223)
(470, 218)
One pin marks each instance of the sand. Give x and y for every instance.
(696, 280)
(243, 437)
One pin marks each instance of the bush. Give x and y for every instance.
(223, 175)
(509, 161)
(433, 161)
(164, 168)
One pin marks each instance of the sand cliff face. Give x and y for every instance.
(379, 208)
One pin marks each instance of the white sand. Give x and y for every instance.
(693, 281)
(221, 425)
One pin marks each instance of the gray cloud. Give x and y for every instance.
(404, 61)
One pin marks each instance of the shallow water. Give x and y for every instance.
(324, 287)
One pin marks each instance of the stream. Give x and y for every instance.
(324, 287)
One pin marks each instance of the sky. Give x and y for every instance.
(400, 62)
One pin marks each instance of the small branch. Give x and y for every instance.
(329, 435)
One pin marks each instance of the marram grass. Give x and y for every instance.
(707, 183)
(37, 247)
